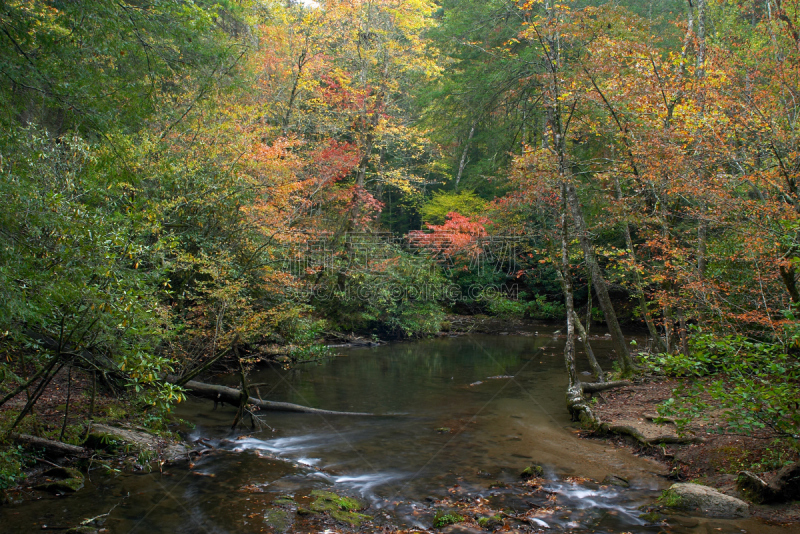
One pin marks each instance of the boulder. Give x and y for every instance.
(704, 500)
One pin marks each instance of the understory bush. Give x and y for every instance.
(754, 383)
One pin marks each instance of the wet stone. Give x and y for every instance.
(704, 500)
(279, 520)
(614, 480)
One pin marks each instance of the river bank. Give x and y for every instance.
(703, 452)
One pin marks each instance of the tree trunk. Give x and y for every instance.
(702, 239)
(651, 327)
(463, 162)
(597, 371)
(599, 283)
(574, 392)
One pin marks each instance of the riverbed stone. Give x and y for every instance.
(704, 500)
(344, 509)
(278, 520)
(615, 480)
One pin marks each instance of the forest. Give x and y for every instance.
(193, 183)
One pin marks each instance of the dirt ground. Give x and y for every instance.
(714, 459)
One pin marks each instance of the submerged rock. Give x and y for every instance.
(278, 520)
(614, 480)
(344, 509)
(705, 500)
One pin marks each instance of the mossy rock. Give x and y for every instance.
(651, 517)
(344, 509)
(703, 500)
(491, 523)
(278, 520)
(532, 471)
(62, 480)
(284, 500)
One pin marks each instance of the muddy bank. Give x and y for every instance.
(709, 454)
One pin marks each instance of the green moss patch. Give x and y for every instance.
(278, 520)
(344, 509)
(532, 471)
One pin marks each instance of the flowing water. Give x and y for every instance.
(456, 419)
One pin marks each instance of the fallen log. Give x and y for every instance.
(233, 396)
(594, 387)
(54, 448)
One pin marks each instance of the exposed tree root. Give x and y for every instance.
(581, 411)
(594, 387)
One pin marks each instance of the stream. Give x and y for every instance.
(457, 418)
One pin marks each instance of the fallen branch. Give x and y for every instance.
(54, 448)
(233, 396)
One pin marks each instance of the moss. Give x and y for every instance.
(62, 480)
(284, 500)
(651, 517)
(279, 520)
(442, 519)
(68, 485)
(491, 523)
(532, 471)
(670, 499)
(344, 509)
